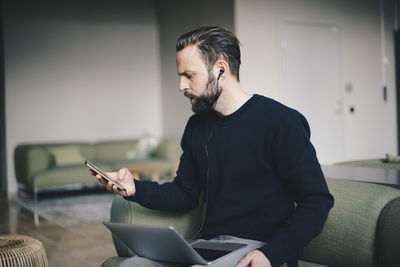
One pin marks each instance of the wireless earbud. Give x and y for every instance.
(221, 71)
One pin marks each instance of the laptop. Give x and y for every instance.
(165, 244)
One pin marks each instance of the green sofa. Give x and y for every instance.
(363, 228)
(54, 167)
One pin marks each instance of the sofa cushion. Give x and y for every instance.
(66, 175)
(349, 233)
(67, 155)
(113, 261)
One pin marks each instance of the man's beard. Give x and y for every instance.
(206, 102)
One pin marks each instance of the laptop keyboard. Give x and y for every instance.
(211, 251)
(211, 254)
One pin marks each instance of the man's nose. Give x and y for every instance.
(183, 85)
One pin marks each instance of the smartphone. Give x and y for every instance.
(98, 171)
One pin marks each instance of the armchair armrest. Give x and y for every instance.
(29, 160)
(362, 228)
(388, 234)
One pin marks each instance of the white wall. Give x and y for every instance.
(80, 72)
(371, 131)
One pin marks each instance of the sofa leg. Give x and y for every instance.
(21, 193)
(35, 213)
(35, 196)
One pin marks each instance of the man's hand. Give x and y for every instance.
(255, 259)
(123, 176)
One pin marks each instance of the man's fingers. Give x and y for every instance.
(118, 176)
(122, 176)
(254, 258)
(109, 186)
(101, 179)
(253, 253)
(114, 188)
(98, 176)
(245, 261)
(118, 191)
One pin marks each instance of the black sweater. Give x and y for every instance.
(253, 166)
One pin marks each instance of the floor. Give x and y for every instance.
(83, 245)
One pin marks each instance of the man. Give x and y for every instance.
(250, 155)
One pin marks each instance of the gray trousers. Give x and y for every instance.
(228, 260)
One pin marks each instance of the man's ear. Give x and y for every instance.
(221, 67)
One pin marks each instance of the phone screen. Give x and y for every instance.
(97, 170)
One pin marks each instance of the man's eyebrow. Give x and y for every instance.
(186, 72)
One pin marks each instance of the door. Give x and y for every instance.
(397, 59)
(311, 83)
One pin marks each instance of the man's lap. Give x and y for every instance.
(228, 260)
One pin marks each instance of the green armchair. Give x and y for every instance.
(363, 228)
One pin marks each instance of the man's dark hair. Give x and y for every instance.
(214, 43)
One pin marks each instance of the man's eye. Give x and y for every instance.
(188, 76)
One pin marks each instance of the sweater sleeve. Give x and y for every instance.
(297, 165)
(182, 194)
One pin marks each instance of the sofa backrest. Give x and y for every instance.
(355, 232)
(112, 151)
